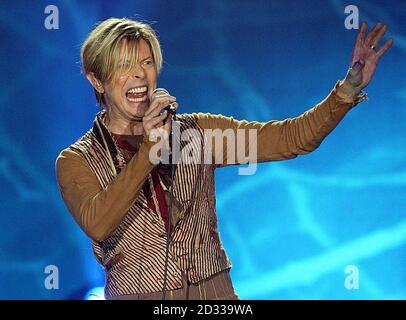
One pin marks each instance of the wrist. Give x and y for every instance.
(346, 91)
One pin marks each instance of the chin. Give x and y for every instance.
(131, 106)
(136, 111)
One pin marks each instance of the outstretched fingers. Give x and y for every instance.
(378, 37)
(374, 32)
(384, 48)
(361, 33)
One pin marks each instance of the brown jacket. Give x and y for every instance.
(104, 195)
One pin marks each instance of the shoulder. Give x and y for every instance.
(207, 120)
(75, 153)
(202, 116)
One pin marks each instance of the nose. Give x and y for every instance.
(138, 72)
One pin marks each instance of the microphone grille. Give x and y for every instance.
(160, 92)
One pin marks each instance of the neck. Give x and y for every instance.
(123, 126)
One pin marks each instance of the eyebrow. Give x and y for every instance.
(149, 57)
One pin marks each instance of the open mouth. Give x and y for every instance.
(137, 94)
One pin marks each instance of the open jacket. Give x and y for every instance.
(104, 194)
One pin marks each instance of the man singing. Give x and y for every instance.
(120, 192)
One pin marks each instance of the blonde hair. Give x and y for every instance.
(100, 53)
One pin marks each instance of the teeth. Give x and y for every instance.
(137, 90)
(144, 98)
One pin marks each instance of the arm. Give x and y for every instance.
(281, 140)
(99, 211)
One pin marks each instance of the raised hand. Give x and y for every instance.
(365, 57)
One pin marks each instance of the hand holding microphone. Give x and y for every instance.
(157, 121)
(161, 92)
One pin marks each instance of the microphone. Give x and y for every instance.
(171, 108)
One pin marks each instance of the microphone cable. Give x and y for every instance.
(168, 238)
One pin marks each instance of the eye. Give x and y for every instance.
(148, 62)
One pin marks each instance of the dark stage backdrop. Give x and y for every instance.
(293, 229)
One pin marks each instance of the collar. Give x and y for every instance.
(103, 136)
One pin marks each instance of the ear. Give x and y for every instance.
(96, 84)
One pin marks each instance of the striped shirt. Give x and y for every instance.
(103, 191)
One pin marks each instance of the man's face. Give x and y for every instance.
(127, 95)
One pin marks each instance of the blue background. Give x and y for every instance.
(290, 229)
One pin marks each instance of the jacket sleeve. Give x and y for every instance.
(99, 211)
(275, 140)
